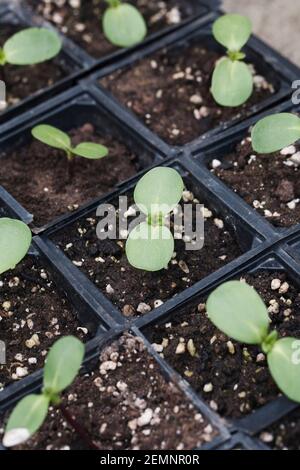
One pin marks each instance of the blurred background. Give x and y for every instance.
(275, 21)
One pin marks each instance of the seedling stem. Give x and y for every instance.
(80, 430)
(113, 3)
(269, 341)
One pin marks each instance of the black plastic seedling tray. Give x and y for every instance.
(240, 441)
(220, 147)
(68, 60)
(263, 247)
(67, 111)
(272, 260)
(248, 239)
(267, 62)
(31, 384)
(194, 9)
(87, 318)
(263, 252)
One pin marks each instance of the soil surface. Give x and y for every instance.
(170, 92)
(105, 263)
(23, 81)
(33, 315)
(269, 183)
(84, 25)
(42, 180)
(125, 403)
(285, 434)
(232, 377)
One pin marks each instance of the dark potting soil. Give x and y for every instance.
(232, 377)
(269, 183)
(84, 25)
(285, 434)
(125, 403)
(23, 81)
(42, 180)
(170, 92)
(33, 315)
(135, 291)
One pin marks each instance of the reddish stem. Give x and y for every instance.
(80, 430)
(71, 162)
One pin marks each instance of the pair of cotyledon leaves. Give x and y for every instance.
(237, 310)
(232, 81)
(58, 139)
(62, 365)
(150, 244)
(63, 361)
(30, 46)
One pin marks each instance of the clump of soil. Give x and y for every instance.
(170, 92)
(105, 262)
(269, 183)
(42, 180)
(84, 25)
(125, 403)
(23, 81)
(232, 377)
(33, 315)
(285, 434)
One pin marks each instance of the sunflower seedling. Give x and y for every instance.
(123, 24)
(62, 366)
(30, 46)
(150, 244)
(239, 312)
(60, 140)
(15, 239)
(232, 81)
(275, 132)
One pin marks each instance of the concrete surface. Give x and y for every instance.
(275, 21)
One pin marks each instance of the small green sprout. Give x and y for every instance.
(30, 46)
(60, 140)
(62, 365)
(150, 244)
(232, 81)
(238, 310)
(123, 24)
(15, 239)
(275, 132)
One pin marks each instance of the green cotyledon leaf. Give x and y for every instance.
(15, 239)
(32, 46)
(275, 132)
(238, 311)
(232, 31)
(232, 83)
(123, 25)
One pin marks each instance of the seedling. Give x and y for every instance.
(123, 24)
(15, 239)
(150, 244)
(62, 365)
(238, 310)
(30, 46)
(60, 140)
(275, 132)
(232, 81)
